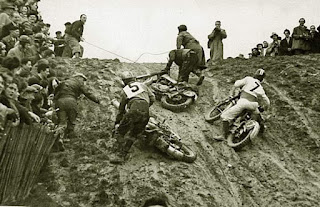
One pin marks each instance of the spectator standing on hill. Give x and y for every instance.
(16, 20)
(5, 16)
(23, 50)
(301, 37)
(23, 10)
(215, 42)
(74, 35)
(286, 44)
(187, 60)
(28, 26)
(273, 49)
(260, 49)
(4, 110)
(65, 98)
(265, 46)
(186, 40)
(58, 42)
(25, 67)
(11, 39)
(314, 40)
(255, 52)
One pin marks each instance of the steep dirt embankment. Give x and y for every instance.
(279, 169)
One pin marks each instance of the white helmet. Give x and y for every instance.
(260, 74)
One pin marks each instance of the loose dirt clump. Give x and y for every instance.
(280, 168)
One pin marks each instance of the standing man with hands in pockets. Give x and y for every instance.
(215, 42)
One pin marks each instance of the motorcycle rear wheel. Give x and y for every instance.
(174, 106)
(244, 139)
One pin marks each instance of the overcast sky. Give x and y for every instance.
(132, 27)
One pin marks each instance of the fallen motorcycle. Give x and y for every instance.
(159, 135)
(214, 112)
(174, 96)
(168, 142)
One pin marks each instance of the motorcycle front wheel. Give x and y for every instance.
(214, 113)
(176, 105)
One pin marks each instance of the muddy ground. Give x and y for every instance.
(280, 168)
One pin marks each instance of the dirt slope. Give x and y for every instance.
(280, 169)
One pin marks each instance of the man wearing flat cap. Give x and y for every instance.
(5, 16)
(301, 37)
(11, 40)
(65, 98)
(15, 21)
(273, 48)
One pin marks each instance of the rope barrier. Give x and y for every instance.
(125, 57)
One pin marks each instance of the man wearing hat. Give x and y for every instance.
(59, 44)
(301, 37)
(65, 98)
(186, 40)
(22, 50)
(273, 49)
(11, 40)
(16, 20)
(5, 16)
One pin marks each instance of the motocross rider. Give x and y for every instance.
(133, 116)
(252, 94)
(187, 60)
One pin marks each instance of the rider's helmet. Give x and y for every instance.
(260, 74)
(127, 77)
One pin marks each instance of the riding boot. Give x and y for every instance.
(201, 78)
(120, 155)
(200, 75)
(225, 131)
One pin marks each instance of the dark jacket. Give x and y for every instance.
(146, 95)
(177, 56)
(315, 42)
(284, 45)
(36, 79)
(6, 29)
(76, 29)
(73, 88)
(301, 38)
(9, 42)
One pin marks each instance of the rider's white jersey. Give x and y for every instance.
(253, 87)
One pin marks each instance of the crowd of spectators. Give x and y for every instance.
(302, 41)
(27, 75)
